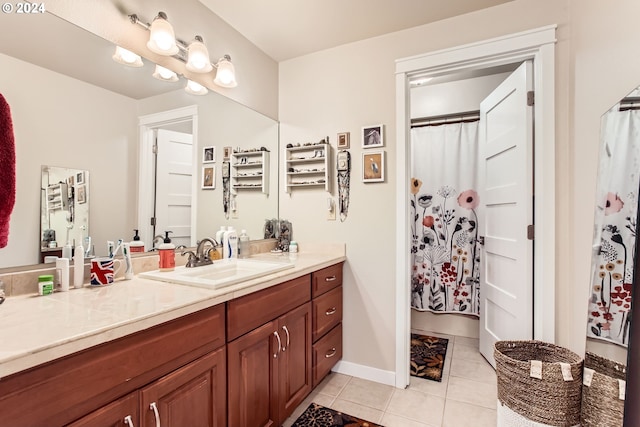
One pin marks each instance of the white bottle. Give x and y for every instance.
(62, 266)
(243, 244)
(67, 250)
(220, 234)
(78, 267)
(230, 243)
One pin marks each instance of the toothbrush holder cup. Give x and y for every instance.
(104, 270)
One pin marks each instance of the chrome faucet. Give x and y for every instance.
(201, 256)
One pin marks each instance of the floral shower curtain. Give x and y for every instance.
(445, 254)
(615, 219)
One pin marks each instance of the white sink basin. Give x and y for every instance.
(219, 274)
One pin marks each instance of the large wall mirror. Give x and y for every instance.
(613, 261)
(75, 108)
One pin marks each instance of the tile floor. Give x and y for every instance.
(465, 397)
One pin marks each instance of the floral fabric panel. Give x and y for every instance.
(615, 231)
(444, 202)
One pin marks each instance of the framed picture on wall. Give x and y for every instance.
(226, 153)
(208, 178)
(82, 194)
(80, 178)
(343, 140)
(373, 166)
(373, 136)
(208, 154)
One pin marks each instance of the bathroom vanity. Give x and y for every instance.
(243, 355)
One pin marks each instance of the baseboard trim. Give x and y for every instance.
(365, 372)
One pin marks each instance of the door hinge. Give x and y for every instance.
(481, 240)
(155, 149)
(530, 98)
(530, 232)
(153, 221)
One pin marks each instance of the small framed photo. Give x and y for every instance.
(208, 154)
(82, 194)
(71, 180)
(226, 153)
(208, 177)
(80, 178)
(343, 140)
(373, 166)
(373, 136)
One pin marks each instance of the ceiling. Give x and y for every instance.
(285, 29)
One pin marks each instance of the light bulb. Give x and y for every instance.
(195, 88)
(126, 57)
(226, 74)
(165, 74)
(198, 57)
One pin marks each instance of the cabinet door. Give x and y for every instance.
(194, 395)
(295, 359)
(121, 413)
(252, 372)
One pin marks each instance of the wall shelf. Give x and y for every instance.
(57, 197)
(308, 166)
(250, 171)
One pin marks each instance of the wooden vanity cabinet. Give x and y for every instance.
(269, 368)
(98, 382)
(327, 320)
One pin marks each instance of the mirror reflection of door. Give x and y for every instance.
(613, 260)
(174, 178)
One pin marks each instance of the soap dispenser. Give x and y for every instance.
(167, 251)
(136, 245)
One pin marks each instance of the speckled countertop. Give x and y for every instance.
(38, 329)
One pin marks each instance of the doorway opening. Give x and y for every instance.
(537, 46)
(168, 176)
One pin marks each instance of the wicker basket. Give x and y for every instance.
(551, 400)
(601, 403)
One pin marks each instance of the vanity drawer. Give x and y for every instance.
(327, 312)
(326, 354)
(246, 313)
(326, 279)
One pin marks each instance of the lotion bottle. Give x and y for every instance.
(230, 243)
(78, 267)
(243, 244)
(220, 234)
(167, 251)
(136, 245)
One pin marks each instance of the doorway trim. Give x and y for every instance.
(539, 46)
(147, 125)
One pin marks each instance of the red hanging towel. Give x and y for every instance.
(7, 170)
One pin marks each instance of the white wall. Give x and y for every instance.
(60, 121)
(354, 85)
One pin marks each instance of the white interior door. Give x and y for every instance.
(174, 176)
(506, 173)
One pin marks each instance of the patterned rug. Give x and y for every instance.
(319, 416)
(427, 356)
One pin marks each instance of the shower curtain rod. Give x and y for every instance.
(465, 117)
(630, 103)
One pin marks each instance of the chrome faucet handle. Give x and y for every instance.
(181, 247)
(192, 261)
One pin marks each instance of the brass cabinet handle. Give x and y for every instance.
(331, 353)
(330, 311)
(330, 278)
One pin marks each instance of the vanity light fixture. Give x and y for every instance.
(195, 88)
(226, 73)
(126, 57)
(198, 57)
(164, 74)
(162, 39)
